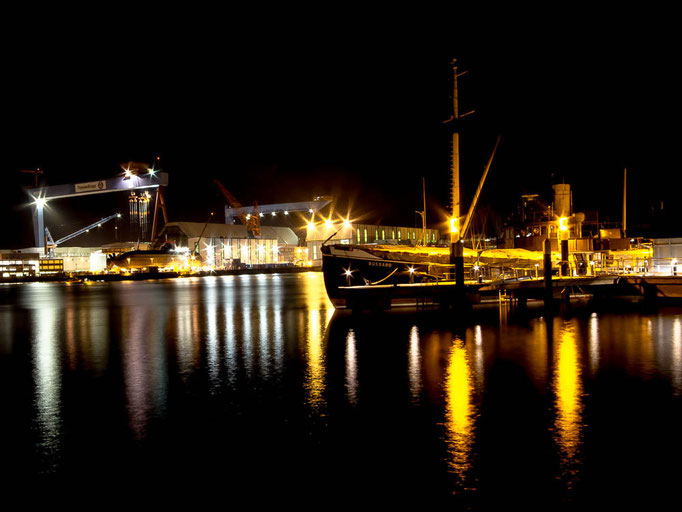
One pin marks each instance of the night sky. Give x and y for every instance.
(342, 105)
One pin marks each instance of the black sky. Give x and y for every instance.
(291, 107)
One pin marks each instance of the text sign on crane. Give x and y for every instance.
(90, 186)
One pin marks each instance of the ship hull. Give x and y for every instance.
(346, 266)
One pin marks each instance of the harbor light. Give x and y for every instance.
(453, 225)
(563, 224)
(40, 202)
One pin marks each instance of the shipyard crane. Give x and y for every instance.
(50, 244)
(197, 248)
(250, 220)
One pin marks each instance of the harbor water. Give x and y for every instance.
(253, 386)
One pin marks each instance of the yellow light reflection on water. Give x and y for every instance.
(459, 408)
(567, 386)
(319, 311)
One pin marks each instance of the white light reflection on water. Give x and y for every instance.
(351, 368)
(144, 366)
(414, 364)
(47, 373)
(568, 390)
(212, 342)
(247, 341)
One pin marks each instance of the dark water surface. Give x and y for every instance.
(252, 386)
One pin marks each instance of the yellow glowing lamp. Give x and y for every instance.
(328, 223)
(453, 225)
(563, 224)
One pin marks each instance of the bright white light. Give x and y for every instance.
(248, 216)
(411, 269)
(40, 202)
(286, 212)
(310, 210)
(274, 213)
(260, 214)
(346, 223)
(328, 223)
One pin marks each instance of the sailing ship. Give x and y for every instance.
(346, 265)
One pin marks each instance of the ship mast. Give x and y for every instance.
(454, 164)
(456, 247)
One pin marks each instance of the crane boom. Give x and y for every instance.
(251, 221)
(82, 230)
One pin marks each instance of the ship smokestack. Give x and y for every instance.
(563, 206)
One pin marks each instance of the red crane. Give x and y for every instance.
(250, 220)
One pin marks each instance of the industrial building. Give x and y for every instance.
(225, 246)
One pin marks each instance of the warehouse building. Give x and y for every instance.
(225, 246)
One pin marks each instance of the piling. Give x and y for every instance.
(547, 261)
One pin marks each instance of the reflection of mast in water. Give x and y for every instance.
(459, 409)
(567, 386)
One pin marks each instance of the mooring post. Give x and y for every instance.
(548, 271)
(564, 258)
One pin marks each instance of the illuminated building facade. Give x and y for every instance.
(226, 246)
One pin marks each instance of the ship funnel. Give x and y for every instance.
(563, 204)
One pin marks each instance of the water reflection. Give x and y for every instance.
(319, 312)
(47, 365)
(459, 409)
(414, 361)
(144, 366)
(677, 355)
(253, 361)
(351, 368)
(567, 386)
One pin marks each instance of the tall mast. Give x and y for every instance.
(625, 186)
(454, 165)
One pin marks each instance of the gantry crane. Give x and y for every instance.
(250, 220)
